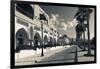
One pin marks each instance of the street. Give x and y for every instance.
(67, 55)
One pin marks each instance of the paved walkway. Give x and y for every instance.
(63, 55)
(82, 58)
(34, 58)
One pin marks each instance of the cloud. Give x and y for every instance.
(58, 22)
(54, 18)
(64, 26)
(57, 15)
(72, 23)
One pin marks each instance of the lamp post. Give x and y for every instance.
(42, 18)
(42, 53)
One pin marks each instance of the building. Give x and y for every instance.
(30, 22)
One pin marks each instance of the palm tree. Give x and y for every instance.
(79, 30)
(80, 18)
(88, 16)
(82, 15)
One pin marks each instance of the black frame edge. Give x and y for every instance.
(12, 30)
(12, 34)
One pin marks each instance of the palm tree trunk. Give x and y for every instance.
(84, 40)
(89, 49)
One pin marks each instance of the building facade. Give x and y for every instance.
(30, 22)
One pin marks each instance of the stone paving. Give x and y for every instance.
(62, 55)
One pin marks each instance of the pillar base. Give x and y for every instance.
(42, 55)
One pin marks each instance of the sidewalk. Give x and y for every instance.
(62, 54)
(81, 55)
(82, 58)
(35, 58)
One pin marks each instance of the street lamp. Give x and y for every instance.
(42, 53)
(42, 18)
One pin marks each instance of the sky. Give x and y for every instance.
(64, 15)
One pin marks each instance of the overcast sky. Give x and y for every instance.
(67, 15)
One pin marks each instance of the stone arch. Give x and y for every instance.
(45, 40)
(51, 41)
(37, 40)
(22, 38)
(59, 41)
(55, 41)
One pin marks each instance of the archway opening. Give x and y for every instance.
(51, 42)
(45, 41)
(37, 41)
(54, 41)
(22, 39)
